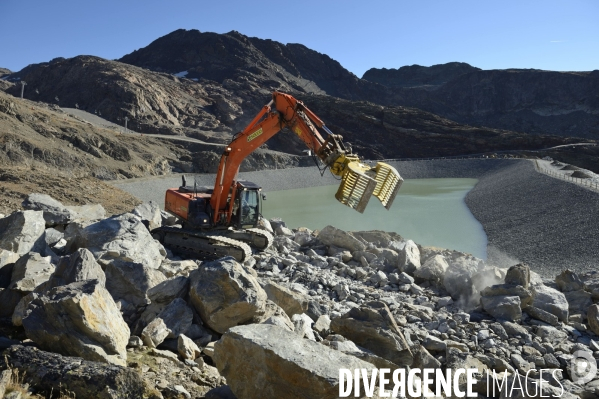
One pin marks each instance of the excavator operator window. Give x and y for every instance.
(250, 208)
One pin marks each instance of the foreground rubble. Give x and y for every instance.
(99, 296)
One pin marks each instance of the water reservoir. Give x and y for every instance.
(431, 212)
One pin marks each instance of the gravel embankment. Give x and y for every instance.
(551, 224)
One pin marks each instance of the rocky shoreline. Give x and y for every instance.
(83, 295)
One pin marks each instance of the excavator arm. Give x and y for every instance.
(358, 181)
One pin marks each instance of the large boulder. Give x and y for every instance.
(550, 300)
(122, 237)
(131, 281)
(502, 307)
(578, 301)
(54, 211)
(290, 301)
(149, 213)
(172, 321)
(22, 232)
(225, 295)
(339, 238)
(433, 269)
(88, 213)
(79, 319)
(30, 271)
(374, 328)
(409, 257)
(569, 281)
(79, 266)
(268, 362)
(52, 372)
(7, 262)
(458, 279)
(518, 275)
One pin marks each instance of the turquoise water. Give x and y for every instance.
(431, 212)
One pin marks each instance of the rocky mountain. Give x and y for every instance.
(233, 59)
(159, 102)
(525, 100)
(4, 84)
(418, 76)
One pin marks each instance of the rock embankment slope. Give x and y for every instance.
(535, 218)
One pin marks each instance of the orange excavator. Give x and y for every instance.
(223, 220)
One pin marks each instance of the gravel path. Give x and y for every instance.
(551, 224)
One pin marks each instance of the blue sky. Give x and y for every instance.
(548, 34)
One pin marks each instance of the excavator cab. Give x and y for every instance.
(247, 207)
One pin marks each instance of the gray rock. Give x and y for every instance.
(131, 281)
(9, 300)
(433, 269)
(540, 314)
(79, 266)
(30, 271)
(149, 212)
(551, 334)
(409, 257)
(52, 236)
(568, 281)
(22, 232)
(172, 268)
(509, 290)
(423, 359)
(518, 275)
(374, 328)
(54, 211)
(458, 278)
(52, 372)
(166, 291)
(434, 344)
(177, 316)
(154, 333)
(578, 301)
(87, 214)
(550, 300)
(225, 295)
(322, 325)
(122, 237)
(514, 329)
(21, 309)
(302, 325)
(593, 318)
(291, 367)
(79, 319)
(290, 301)
(339, 238)
(502, 307)
(7, 262)
(187, 348)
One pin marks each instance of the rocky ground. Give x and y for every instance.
(83, 295)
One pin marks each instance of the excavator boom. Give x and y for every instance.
(358, 181)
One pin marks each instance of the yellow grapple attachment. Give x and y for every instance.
(360, 181)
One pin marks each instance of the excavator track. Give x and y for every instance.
(202, 245)
(268, 238)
